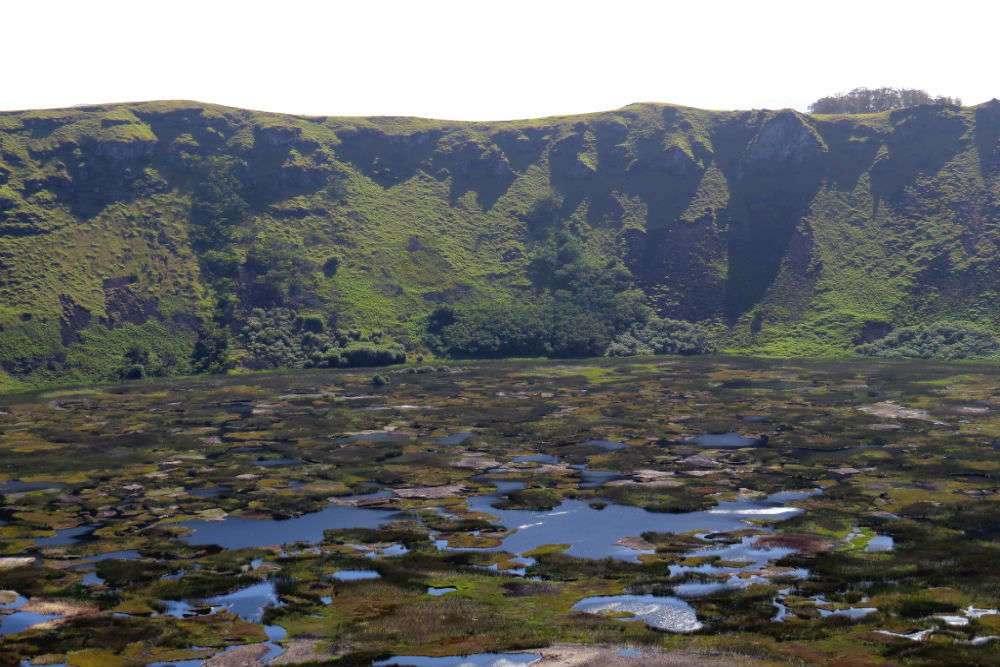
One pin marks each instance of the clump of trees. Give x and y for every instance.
(211, 351)
(875, 100)
(578, 304)
(140, 362)
(281, 338)
(661, 336)
(944, 340)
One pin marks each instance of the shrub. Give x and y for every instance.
(661, 336)
(944, 340)
(278, 338)
(211, 351)
(368, 354)
(579, 302)
(331, 265)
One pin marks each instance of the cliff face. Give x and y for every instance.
(789, 233)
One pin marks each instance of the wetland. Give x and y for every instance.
(711, 510)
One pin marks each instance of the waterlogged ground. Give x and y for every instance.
(657, 512)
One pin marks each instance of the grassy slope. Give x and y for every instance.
(788, 232)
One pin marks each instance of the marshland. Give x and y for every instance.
(662, 510)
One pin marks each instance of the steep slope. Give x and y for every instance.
(125, 229)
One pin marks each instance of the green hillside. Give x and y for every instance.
(129, 231)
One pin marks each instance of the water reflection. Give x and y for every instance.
(661, 612)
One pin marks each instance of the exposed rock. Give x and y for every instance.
(801, 543)
(427, 492)
(10, 562)
(576, 655)
(244, 656)
(305, 650)
(785, 138)
(636, 543)
(49, 659)
(889, 410)
(647, 475)
(884, 427)
(477, 462)
(700, 460)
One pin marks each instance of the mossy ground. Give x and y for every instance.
(134, 457)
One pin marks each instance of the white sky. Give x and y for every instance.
(486, 59)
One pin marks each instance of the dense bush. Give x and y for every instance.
(578, 304)
(944, 340)
(661, 336)
(542, 327)
(140, 362)
(280, 338)
(211, 351)
(331, 265)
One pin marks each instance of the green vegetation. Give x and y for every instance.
(145, 239)
(279, 338)
(661, 336)
(578, 303)
(877, 100)
(941, 341)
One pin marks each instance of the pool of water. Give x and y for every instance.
(210, 492)
(537, 458)
(783, 612)
(17, 486)
(661, 612)
(455, 438)
(880, 543)
(853, 613)
(592, 533)
(610, 445)
(725, 441)
(382, 436)
(66, 537)
(238, 532)
(440, 591)
(282, 462)
(16, 603)
(355, 575)
(92, 579)
(247, 603)
(394, 550)
(745, 552)
(629, 653)
(274, 633)
(504, 486)
(477, 660)
(595, 479)
(127, 554)
(20, 621)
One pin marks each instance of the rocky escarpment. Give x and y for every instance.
(135, 224)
